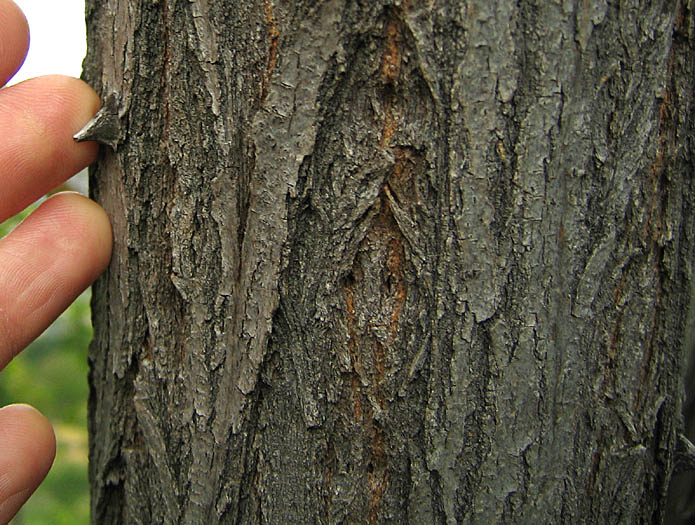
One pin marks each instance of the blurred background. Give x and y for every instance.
(51, 374)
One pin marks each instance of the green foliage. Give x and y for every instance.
(51, 375)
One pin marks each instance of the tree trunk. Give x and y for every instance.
(392, 261)
(680, 509)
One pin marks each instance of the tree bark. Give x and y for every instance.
(391, 261)
(680, 509)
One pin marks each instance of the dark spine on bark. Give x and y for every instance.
(410, 262)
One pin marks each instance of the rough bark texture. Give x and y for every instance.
(415, 261)
(681, 503)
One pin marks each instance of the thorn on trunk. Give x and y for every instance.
(105, 127)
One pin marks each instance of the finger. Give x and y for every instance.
(14, 39)
(27, 449)
(38, 118)
(47, 261)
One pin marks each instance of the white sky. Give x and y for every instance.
(57, 38)
(58, 44)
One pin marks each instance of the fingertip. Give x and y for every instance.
(47, 261)
(90, 227)
(59, 104)
(27, 451)
(75, 93)
(14, 39)
(38, 118)
(24, 423)
(71, 228)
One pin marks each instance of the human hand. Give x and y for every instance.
(55, 253)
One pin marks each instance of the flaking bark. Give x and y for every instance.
(411, 262)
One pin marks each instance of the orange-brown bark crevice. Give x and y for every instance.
(273, 35)
(395, 264)
(351, 320)
(390, 70)
(377, 473)
(391, 61)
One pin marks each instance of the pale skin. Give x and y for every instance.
(55, 253)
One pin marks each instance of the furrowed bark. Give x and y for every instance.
(413, 262)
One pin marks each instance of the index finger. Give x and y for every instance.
(14, 39)
(38, 118)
